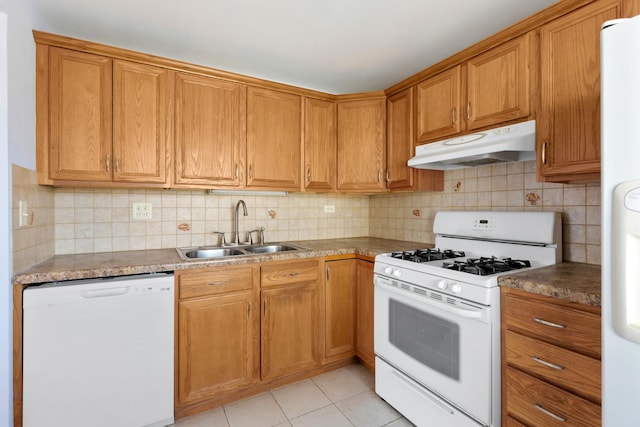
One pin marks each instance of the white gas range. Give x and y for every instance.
(437, 316)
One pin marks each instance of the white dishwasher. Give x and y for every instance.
(99, 352)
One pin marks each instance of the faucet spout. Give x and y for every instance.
(236, 230)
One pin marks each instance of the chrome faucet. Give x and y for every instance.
(236, 232)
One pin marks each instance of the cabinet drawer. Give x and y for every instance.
(569, 370)
(293, 272)
(215, 282)
(528, 398)
(564, 326)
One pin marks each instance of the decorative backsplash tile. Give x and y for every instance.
(510, 186)
(74, 220)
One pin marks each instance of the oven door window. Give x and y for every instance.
(429, 339)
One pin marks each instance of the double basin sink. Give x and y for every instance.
(209, 252)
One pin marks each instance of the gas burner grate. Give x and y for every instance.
(485, 266)
(426, 255)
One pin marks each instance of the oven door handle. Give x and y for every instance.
(462, 312)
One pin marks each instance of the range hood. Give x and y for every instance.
(505, 144)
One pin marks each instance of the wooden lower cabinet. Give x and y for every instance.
(551, 370)
(340, 307)
(290, 321)
(218, 332)
(241, 330)
(364, 313)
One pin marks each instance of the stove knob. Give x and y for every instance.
(442, 285)
(456, 288)
(397, 273)
(388, 270)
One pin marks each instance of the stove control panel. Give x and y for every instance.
(484, 224)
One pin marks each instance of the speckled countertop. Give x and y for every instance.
(88, 266)
(569, 281)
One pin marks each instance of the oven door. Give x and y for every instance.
(441, 342)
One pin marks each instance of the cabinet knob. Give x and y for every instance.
(308, 174)
(469, 110)
(454, 116)
(544, 153)
(107, 163)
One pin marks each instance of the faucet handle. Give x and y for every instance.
(222, 239)
(260, 235)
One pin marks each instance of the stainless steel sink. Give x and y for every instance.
(209, 252)
(269, 249)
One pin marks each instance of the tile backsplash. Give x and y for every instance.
(74, 220)
(33, 242)
(100, 220)
(506, 186)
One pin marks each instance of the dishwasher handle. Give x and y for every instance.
(103, 293)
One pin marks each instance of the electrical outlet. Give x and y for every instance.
(329, 209)
(142, 211)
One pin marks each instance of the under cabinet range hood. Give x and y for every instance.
(505, 144)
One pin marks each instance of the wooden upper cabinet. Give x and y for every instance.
(401, 147)
(210, 131)
(400, 140)
(568, 120)
(498, 84)
(79, 104)
(438, 105)
(320, 145)
(489, 89)
(361, 145)
(142, 122)
(109, 121)
(274, 139)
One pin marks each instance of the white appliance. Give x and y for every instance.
(437, 314)
(99, 352)
(510, 143)
(620, 50)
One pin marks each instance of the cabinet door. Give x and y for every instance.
(438, 106)
(217, 345)
(401, 147)
(361, 145)
(400, 140)
(210, 131)
(364, 313)
(79, 116)
(142, 101)
(498, 84)
(290, 324)
(340, 299)
(274, 139)
(568, 125)
(320, 145)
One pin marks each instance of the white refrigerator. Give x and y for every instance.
(620, 104)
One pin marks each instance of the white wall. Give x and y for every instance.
(17, 145)
(5, 296)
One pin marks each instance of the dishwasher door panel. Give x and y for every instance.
(99, 353)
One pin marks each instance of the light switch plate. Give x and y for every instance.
(142, 211)
(23, 213)
(329, 209)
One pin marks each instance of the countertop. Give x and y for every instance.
(105, 264)
(570, 281)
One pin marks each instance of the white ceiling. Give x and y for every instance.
(335, 46)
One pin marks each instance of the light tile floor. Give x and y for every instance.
(343, 397)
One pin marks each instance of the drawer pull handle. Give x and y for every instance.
(290, 274)
(549, 413)
(547, 364)
(546, 323)
(224, 282)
